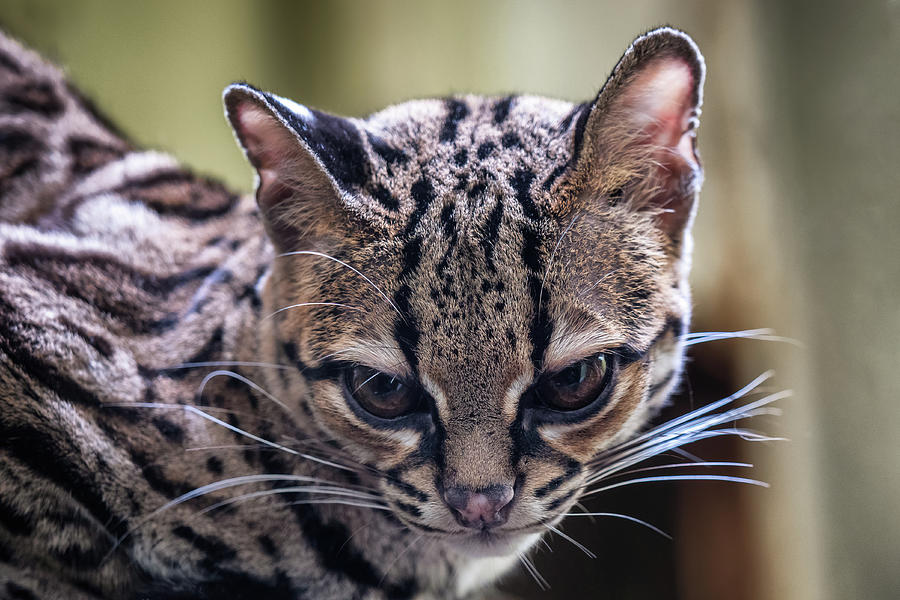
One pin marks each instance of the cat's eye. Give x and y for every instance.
(380, 394)
(577, 385)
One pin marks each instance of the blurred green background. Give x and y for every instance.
(798, 230)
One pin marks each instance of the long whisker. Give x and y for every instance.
(230, 427)
(552, 257)
(538, 578)
(620, 516)
(683, 465)
(311, 489)
(570, 539)
(302, 304)
(677, 478)
(210, 488)
(342, 263)
(399, 555)
(245, 381)
(766, 335)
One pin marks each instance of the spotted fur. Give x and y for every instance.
(160, 334)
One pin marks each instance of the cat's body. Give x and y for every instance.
(466, 247)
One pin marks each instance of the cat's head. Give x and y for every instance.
(481, 295)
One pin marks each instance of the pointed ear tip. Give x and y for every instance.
(237, 92)
(670, 40)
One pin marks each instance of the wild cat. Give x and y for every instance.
(428, 335)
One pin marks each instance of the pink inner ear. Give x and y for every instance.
(269, 144)
(659, 101)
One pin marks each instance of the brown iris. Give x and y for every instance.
(577, 385)
(380, 394)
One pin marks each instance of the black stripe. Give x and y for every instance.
(216, 550)
(573, 468)
(579, 132)
(15, 342)
(540, 327)
(156, 477)
(193, 197)
(410, 509)
(229, 584)
(43, 453)
(17, 592)
(492, 234)
(36, 97)
(551, 506)
(456, 112)
(521, 183)
(387, 152)
(501, 109)
(567, 120)
(13, 520)
(551, 179)
(392, 477)
(384, 197)
(332, 543)
(9, 63)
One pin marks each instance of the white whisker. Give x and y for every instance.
(342, 263)
(220, 422)
(245, 381)
(621, 516)
(613, 486)
(572, 540)
(766, 335)
(399, 555)
(302, 304)
(311, 489)
(552, 257)
(532, 570)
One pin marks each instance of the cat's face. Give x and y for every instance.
(491, 291)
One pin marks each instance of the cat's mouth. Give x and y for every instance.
(493, 542)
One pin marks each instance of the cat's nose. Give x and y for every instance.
(480, 509)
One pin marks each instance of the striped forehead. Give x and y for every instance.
(469, 148)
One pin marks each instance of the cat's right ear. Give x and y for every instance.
(638, 137)
(292, 182)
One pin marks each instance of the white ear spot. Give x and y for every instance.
(298, 109)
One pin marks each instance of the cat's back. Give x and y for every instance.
(115, 263)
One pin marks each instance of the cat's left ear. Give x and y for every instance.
(308, 163)
(638, 138)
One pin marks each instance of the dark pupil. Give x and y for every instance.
(382, 384)
(572, 376)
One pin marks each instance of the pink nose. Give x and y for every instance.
(480, 509)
